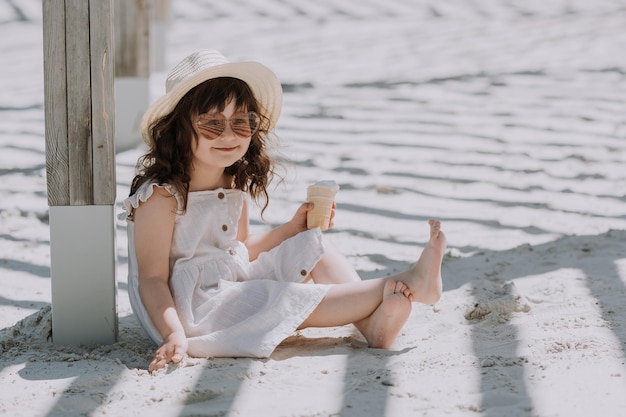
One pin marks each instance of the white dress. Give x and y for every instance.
(228, 305)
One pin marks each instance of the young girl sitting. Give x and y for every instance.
(199, 282)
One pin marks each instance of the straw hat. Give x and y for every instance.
(208, 64)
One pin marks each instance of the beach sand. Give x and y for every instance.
(505, 120)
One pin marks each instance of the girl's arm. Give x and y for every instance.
(154, 228)
(263, 242)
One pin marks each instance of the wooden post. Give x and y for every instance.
(132, 69)
(160, 21)
(80, 165)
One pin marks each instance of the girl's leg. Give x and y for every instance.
(423, 279)
(380, 305)
(334, 268)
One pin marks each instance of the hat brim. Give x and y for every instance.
(264, 84)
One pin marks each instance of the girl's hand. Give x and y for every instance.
(173, 349)
(299, 219)
(331, 222)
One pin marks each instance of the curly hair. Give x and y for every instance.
(169, 158)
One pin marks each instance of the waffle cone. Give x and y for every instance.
(322, 197)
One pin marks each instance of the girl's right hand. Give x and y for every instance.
(173, 349)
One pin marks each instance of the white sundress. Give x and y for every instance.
(229, 306)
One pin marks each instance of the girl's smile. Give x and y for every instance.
(227, 149)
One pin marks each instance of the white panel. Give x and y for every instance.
(83, 257)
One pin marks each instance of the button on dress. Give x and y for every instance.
(229, 306)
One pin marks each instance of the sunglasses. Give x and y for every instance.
(244, 125)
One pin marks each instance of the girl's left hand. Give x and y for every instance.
(299, 219)
(331, 222)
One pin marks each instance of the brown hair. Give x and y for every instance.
(169, 159)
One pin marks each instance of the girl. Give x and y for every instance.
(199, 283)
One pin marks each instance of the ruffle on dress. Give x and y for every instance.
(142, 195)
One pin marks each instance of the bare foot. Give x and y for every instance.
(424, 278)
(382, 328)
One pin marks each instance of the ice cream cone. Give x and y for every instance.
(322, 195)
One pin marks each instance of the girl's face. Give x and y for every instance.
(223, 151)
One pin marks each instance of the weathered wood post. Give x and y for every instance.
(132, 69)
(80, 165)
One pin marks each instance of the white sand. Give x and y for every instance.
(506, 120)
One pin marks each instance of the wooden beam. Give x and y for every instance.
(132, 69)
(102, 101)
(161, 17)
(79, 101)
(132, 38)
(80, 163)
(55, 98)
